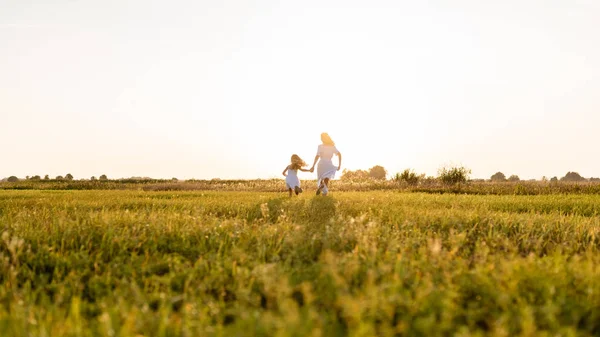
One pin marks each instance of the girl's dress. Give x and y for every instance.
(326, 169)
(291, 180)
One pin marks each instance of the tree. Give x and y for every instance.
(572, 176)
(36, 177)
(69, 176)
(46, 177)
(354, 175)
(59, 178)
(514, 178)
(93, 178)
(103, 177)
(553, 179)
(377, 172)
(498, 176)
(12, 179)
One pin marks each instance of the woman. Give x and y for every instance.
(326, 170)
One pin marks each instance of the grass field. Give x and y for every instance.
(212, 263)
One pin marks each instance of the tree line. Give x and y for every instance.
(67, 177)
(569, 177)
(449, 175)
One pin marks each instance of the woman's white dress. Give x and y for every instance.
(291, 180)
(325, 168)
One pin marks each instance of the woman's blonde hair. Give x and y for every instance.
(326, 139)
(297, 162)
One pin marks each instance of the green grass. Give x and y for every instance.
(208, 263)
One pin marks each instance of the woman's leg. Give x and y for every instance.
(290, 190)
(326, 186)
(321, 185)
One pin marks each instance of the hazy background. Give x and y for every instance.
(230, 89)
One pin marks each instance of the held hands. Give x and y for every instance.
(312, 169)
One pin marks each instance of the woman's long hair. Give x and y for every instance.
(326, 139)
(297, 162)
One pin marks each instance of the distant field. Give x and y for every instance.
(137, 261)
(278, 185)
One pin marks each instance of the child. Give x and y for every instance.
(291, 178)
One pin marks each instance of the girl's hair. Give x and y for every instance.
(326, 139)
(297, 162)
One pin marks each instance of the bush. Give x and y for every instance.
(453, 175)
(514, 178)
(407, 176)
(12, 179)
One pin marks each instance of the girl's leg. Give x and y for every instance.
(290, 190)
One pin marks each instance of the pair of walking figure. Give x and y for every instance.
(325, 169)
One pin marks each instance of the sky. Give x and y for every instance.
(232, 88)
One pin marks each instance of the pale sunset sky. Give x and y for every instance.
(232, 88)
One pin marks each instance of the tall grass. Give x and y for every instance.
(203, 263)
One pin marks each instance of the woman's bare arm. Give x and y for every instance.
(340, 157)
(314, 163)
(284, 171)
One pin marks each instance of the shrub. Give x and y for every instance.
(514, 178)
(12, 179)
(407, 176)
(453, 175)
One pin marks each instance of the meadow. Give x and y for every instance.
(154, 260)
